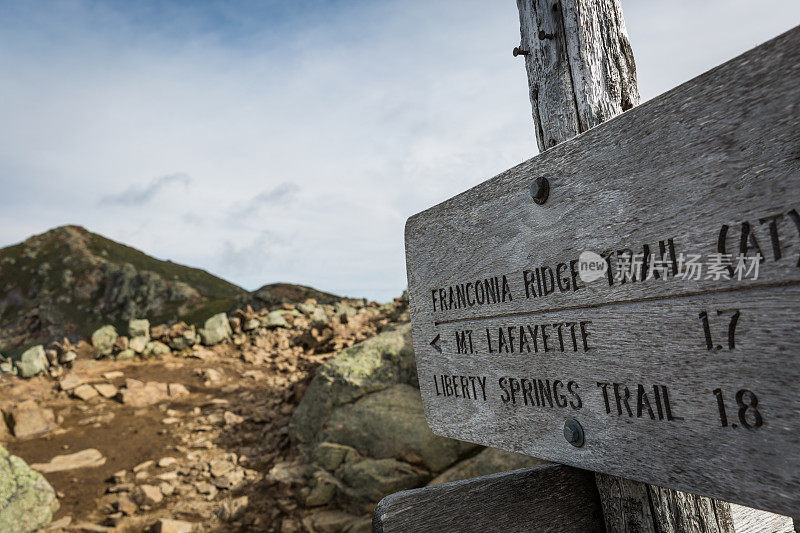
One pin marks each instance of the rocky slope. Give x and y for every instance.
(299, 417)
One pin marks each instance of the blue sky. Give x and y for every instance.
(289, 141)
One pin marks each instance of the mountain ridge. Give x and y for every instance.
(68, 280)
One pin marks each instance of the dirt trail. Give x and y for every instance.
(219, 438)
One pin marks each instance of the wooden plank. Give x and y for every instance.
(701, 165)
(544, 498)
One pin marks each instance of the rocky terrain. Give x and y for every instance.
(296, 418)
(294, 411)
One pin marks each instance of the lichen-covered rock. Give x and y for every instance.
(138, 343)
(274, 319)
(27, 501)
(367, 481)
(373, 365)
(103, 340)
(185, 340)
(488, 461)
(155, 349)
(32, 362)
(125, 355)
(390, 424)
(216, 329)
(139, 327)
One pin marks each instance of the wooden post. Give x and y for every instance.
(581, 72)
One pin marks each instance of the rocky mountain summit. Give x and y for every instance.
(68, 281)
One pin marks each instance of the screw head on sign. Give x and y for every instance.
(540, 190)
(573, 432)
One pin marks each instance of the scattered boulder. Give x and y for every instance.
(155, 349)
(103, 340)
(84, 392)
(89, 458)
(234, 509)
(370, 366)
(138, 343)
(27, 501)
(367, 481)
(138, 394)
(125, 355)
(32, 362)
(139, 327)
(67, 357)
(274, 319)
(148, 495)
(106, 390)
(27, 419)
(216, 329)
(391, 424)
(70, 381)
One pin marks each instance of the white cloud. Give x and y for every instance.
(308, 142)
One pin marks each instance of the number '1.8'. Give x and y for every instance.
(748, 413)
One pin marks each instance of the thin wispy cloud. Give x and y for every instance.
(366, 111)
(137, 195)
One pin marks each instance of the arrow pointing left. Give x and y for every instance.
(435, 343)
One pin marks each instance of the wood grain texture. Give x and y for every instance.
(580, 68)
(721, 150)
(548, 498)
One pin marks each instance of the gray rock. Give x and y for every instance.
(125, 355)
(32, 362)
(391, 424)
(366, 482)
(139, 327)
(67, 357)
(319, 319)
(250, 324)
(488, 461)
(138, 343)
(274, 319)
(323, 489)
(329, 455)
(8, 366)
(373, 365)
(155, 349)
(103, 340)
(27, 501)
(216, 329)
(186, 340)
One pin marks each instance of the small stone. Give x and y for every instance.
(274, 319)
(106, 390)
(113, 375)
(124, 355)
(32, 362)
(69, 382)
(27, 419)
(103, 340)
(143, 466)
(148, 495)
(155, 349)
(139, 327)
(164, 462)
(88, 458)
(84, 392)
(137, 344)
(166, 525)
(166, 489)
(176, 390)
(67, 357)
(216, 329)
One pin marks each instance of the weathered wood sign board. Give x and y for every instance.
(690, 384)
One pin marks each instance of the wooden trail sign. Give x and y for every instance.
(690, 384)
